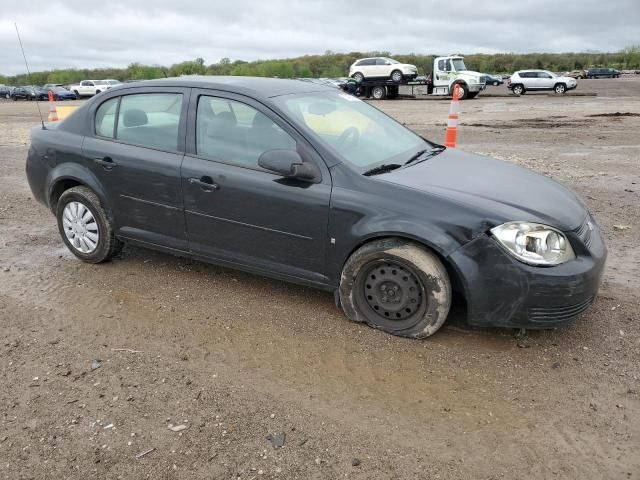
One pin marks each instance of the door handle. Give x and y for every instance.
(106, 162)
(205, 182)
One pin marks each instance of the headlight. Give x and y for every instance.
(534, 243)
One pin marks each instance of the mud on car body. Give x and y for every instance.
(300, 182)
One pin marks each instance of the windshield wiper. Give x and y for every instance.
(432, 152)
(387, 167)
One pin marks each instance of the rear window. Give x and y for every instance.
(106, 118)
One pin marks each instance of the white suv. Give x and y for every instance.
(532, 80)
(382, 67)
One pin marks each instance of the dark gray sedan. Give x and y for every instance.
(304, 183)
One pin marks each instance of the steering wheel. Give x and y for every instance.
(349, 138)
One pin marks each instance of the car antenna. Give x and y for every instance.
(29, 74)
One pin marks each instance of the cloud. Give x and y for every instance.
(78, 33)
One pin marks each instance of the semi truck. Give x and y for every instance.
(447, 72)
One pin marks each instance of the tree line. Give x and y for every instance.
(331, 65)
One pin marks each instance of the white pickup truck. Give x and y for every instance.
(89, 88)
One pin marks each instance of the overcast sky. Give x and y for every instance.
(95, 33)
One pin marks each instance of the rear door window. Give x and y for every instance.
(150, 120)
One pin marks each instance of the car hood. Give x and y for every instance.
(499, 191)
(566, 79)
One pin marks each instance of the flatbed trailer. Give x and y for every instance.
(380, 89)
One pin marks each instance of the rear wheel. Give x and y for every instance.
(518, 90)
(560, 88)
(379, 92)
(85, 226)
(396, 286)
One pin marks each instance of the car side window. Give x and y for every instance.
(106, 118)
(369, 62)
(150, 120)
(235, 133)
(381, 61)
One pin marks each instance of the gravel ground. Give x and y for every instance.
(97, 361)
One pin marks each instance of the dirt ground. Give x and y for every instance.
(236, 358)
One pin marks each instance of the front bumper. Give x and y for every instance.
(503, 292)
(476, 87)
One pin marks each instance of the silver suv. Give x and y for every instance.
(532, 80)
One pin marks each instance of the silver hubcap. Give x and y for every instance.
(80, 227)
(397, 76)
(559, 89)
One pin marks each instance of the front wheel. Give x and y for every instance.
(396, 286)
(396, 76)
(463, 93)
(560, 88)
(85, 226)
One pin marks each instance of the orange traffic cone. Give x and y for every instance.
(452, 122)
(53, 114)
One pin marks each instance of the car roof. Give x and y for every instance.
(257, 87)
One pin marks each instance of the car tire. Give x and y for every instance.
(358, 77)
(518, 89)
(495, 84)
(379, 92)
(84, 230)
(15, 99)
(75, 92)
(464, 91)
(560, 88)
(396, 286)
(396, 76)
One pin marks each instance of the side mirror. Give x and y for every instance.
(288, 163)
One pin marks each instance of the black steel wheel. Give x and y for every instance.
(397, 286)
(393, 292)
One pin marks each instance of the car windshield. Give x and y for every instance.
(458, 64)
(392, 61)
(356, 132)
(553, 75)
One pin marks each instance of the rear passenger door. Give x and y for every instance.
(239, 213)
(135, 153)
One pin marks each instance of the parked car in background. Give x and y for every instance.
(303, 183)
(21, 93)
(61, 93)
(382, 67)
(579, 74)
(89, 88)
(603, 73)
(536, 80)
(494, 80)
(38, 93)
(5, 91)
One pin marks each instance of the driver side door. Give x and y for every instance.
(238, 213)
